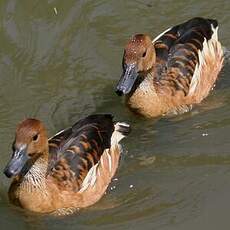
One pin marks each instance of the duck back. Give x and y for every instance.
(74, 151)
(190, 58)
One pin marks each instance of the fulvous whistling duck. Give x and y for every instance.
(174, 71)
(71, 170)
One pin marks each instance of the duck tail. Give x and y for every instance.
(121, 130)
(214, 22)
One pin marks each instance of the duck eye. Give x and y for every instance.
(144, 54)
(35, 137)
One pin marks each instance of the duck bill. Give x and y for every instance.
(127, 80)
(17, 162)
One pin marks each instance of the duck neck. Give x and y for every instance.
(145, 100)
(35, 178)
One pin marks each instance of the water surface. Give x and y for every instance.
(60, 60)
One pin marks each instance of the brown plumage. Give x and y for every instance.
(174, 71)
(70, 170)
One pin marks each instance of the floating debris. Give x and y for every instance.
(204, 134)
(213, 87)
(131, 186)
(55, 10)
(112, 188)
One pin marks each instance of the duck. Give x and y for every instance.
(173, 72)
(68, 171)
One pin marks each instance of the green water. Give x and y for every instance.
(60, 65)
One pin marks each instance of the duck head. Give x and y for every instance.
(30, 143)
(139, 57)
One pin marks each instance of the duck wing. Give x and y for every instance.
(191, 57)
(74, 151)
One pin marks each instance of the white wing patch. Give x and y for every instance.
(107, 159)
(110, 160)
(90, 178)
(157, 37)
(211, 48)
(94, 172)
(57, 134)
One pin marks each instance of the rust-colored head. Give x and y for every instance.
(139, 57)
(140, 51)
(30, 143)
